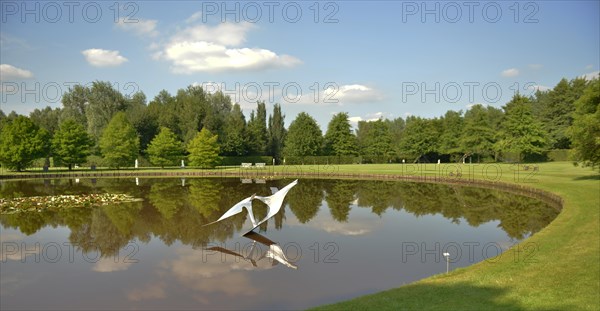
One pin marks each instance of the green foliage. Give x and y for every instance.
(235, 137)
(304, 137)
(237, 161)
(452, 127)
(585, 132)
(479, 131)
(204, 149)
(257, 130)
(46, 118)
(164, 109)
(520, 132)
(71, 143)
(104, 102)
(396, 128)
(277, 133)
(144, 122)
(21, 142)
(119, 142)
(218, 108)
(420, 137)
(555, 109)
(75, 102)
(339, 139)
(374, 139)
(165, 149)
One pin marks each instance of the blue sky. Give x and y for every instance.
(378, 58)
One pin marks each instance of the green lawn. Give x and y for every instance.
(556, 269)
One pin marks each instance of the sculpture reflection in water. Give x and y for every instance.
(274, 203)
(274, 251)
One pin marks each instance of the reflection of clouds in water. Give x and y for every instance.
(357, 224)
(13, 248)
(110, 264)
(148, 291)
(211, 275)
(11, 237)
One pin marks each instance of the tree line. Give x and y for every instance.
(167, 207)
(200, 127)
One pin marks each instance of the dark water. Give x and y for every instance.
(341, 239)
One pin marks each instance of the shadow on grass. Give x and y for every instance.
(588, 177)
(460, 296)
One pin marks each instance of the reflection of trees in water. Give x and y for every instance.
(167, 197)
(205, 196)
(339, 196)
(305, 199)
(175, 213)
(377, 195)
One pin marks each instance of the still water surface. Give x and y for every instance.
(341, 239)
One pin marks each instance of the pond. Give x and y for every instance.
(339, 238)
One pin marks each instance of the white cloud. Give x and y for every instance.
(228, 34)
(355, 120)
(11, 72)
(103, 58)
(194, 17)
(538, 87)
(148, 291)
(536, 66)
(589, 67)
(142, 27)
(591, 75)
(357, 93)
(512, 72)
(109, 265)
(210, 49)
(370, 117)
(340, 95)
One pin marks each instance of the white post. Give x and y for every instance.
(182, 164)
(438, 161)
(136, 163)
(273, 161)
(447, 256)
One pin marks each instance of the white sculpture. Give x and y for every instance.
(274, 203)
(236, 209)
(274, 252)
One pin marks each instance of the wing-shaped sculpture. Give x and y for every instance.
(275, 201)
(236, 209)
(274, 252)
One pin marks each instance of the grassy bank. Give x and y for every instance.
(556, 269)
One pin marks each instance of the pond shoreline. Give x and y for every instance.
(550, 198)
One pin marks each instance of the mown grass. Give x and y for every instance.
(556, 269)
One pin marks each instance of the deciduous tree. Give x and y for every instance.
(119, 142)
(71, 144)
(165, 148)
(204, 149)
(21, 142)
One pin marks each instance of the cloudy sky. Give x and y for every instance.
(370, 59)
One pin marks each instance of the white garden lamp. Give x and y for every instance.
(447, 256)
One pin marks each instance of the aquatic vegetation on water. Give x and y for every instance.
(59, 202)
